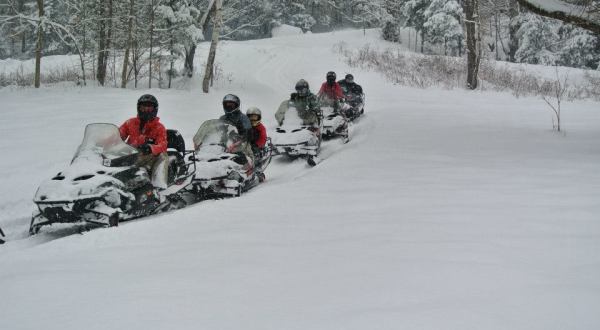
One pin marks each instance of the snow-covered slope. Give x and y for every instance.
(447, 210)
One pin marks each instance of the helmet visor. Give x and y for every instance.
(302, 91)
(229, 106)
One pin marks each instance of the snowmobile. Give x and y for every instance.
(335, 122)
(224, 162)
(294, 139)
(356, 106)
(103, 186)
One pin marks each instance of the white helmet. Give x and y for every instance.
(256, 112)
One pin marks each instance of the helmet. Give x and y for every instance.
(330, 77)
(147, 99)
(252, 113)
(302, 87)
(231, 103)
(349, 78)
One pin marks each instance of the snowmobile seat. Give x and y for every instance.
(175, 141)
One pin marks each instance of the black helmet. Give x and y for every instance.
(349, 78)
(147, 99)
(231, 103)
(302, 88)
(330, 77)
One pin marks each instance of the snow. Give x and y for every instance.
(447, 210)
(284, 30)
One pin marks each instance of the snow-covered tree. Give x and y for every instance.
(536, 37)
(443, 26)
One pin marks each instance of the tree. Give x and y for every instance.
(39, 43)
(208, 72)
(471, 8)
(443, 24)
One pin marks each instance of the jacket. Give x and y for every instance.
(333, 92)
(308, 109)
(259, 135)
(240, 121)
(350, 88)
(153, 132)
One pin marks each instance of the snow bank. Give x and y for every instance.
(285, 30)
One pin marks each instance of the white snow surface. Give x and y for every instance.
(447, 210)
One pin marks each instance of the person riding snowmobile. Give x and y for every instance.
(305, 103)
(258, 133)
(349, 86)
(331, 92)
(234, 116)
(149, 136)
(258, 137)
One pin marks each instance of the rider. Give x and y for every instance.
(305, 103)
(258, 133)
(149, 136)
(258, 136)
(349, 86)
(331, 90)
(234, 116)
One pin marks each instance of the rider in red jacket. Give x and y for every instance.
(146, 133)
(259, 132)
(331, 89)
(258, 139)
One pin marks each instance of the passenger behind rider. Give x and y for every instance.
(149, 136)
(258, 138)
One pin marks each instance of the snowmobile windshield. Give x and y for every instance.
(216, 132)
(103, 141)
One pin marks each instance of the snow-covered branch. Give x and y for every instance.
(584, 16)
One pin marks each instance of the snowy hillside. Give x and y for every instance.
(447, 210)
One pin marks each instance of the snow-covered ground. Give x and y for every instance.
(447, 210)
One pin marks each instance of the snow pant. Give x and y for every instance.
(157, 166)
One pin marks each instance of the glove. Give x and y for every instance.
(145, 149)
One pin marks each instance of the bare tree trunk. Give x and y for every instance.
(213, 47)
(496, 34)
(104, 40)
(471, 8)
(189, 60)
(151, 44)
(39, 44)
(128, 46)
(513, 43)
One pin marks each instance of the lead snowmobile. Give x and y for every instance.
(335, 122)
(103, 186)
(224, 162)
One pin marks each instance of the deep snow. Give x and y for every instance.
(447, 210)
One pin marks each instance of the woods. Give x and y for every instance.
(122, 42)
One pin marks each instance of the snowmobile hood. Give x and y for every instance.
(90, 172)
(83, 179)
(292, 135)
